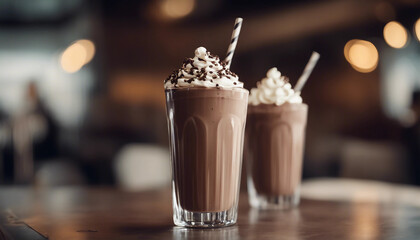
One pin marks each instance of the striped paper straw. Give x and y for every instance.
(307, 72)
(233, 42)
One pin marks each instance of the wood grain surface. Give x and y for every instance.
(107, 213)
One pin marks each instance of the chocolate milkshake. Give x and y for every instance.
(206, 109)
(275, 137)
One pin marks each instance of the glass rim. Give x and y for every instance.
(206, 89)
(272, 108)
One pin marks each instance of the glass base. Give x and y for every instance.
(186, 218)
(275, 202)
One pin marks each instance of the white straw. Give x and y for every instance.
(307, 71)
(233, 42)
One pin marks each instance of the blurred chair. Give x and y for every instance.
(143, 167)
(373, 160)
(57, 172)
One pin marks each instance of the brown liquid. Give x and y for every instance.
(207, 130)
(275, 137)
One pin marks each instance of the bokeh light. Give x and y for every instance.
(395, 34)
(73, 58)
(417, 29)
(362, 55)
(77, 55)
(177, 8)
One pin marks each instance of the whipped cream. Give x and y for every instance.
(274, 89)
(204, 70)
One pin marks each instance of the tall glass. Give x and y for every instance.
(206, 128)
(274, 144)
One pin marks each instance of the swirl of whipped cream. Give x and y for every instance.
(274, 89)
(204, 70)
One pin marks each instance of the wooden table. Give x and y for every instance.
(378, 211)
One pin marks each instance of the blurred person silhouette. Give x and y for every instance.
(412, 139)
(4, 143)
(34, 134)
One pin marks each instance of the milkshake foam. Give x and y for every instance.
(274, 89)
(203, 70)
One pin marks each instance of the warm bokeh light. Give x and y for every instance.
(89, 48)
(73, 58)
(362, 55)
(76, 55)
(177, 8)
(417, 29)
(395, 34)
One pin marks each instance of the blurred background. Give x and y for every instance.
(81, 83)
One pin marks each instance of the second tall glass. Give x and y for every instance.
(275, 137)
